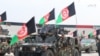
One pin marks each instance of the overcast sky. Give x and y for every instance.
(87, 11)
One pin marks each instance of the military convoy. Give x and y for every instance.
(50, 41)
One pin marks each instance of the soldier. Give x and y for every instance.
(83, 34)
(0, 47)
(9, 53)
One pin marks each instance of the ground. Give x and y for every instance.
(90, 54)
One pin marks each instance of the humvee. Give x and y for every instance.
(48, 42)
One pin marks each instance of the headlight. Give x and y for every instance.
(33, 48)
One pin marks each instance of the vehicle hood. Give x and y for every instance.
(86, 44)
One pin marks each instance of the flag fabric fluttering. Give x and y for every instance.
(31, 26)
(3, 17)
(97, 32)
(14, 40)
(48, 17)
(25, 30)
(92, 34)
(75, 33)
(66, 13)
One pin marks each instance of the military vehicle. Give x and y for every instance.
(50, 41)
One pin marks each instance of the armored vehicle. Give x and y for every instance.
(50, 41)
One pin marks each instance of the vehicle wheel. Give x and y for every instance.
(63, 53)
(80, 53)
(76, 53)
(48, 53)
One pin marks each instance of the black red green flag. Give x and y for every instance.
(25, 30)
(3, 17)
(66, 13)
(92, 34)
(75, 33)
(31, 26)
(48, 17)
(97, 31)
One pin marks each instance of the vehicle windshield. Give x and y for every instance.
(29, 40)
(38, 39)
(87, 40)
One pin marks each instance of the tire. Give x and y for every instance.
(76, 53)
(63, 53)
(80, 53)
(47, 53)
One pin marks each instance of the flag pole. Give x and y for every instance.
(75, 14)
(76, 19)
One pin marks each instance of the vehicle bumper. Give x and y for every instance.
(83, 48)
(29, 53)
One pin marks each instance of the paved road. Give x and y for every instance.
(90, 54)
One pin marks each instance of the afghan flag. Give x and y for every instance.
(48, 17)
(3, 17)
(66, 13)
(97, 32)
(92, 34)
(14, 40)
(25, 30)
(75, 33)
